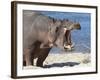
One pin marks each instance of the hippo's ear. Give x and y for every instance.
(57, 23)
(54, 20)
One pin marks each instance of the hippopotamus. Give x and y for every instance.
(40, 34)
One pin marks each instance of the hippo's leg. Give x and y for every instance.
(43, 54)
(28, 60)
(41, 60)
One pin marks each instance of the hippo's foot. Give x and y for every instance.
(28, 62)
(39, 62)
(24, 63)
(39, 65)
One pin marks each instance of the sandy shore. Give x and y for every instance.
(65, 60)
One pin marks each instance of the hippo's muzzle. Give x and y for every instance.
(77, 26)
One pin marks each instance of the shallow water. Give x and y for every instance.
(81, 38)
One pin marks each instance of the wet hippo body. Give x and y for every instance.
(41, 33)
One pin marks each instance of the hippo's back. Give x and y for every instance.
(34, 23)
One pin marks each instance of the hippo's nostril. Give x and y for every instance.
(77, 26)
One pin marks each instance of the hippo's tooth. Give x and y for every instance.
(65, 30)
(67, 46)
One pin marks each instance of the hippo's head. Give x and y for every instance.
(52, 34)
(64, 38)
(59, 33)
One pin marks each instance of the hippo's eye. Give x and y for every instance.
(57, 28)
